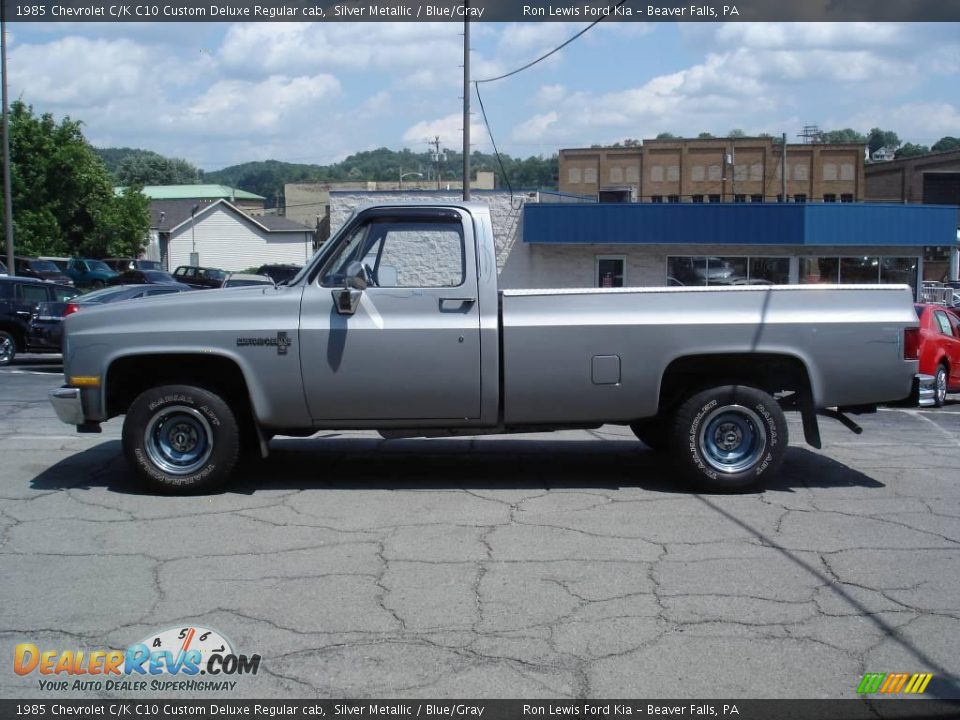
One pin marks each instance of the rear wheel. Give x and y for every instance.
(729, 438)
(97, 284)
(941, 379)
(8, 348)
(181, 438)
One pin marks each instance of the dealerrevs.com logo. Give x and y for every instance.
(176, 659)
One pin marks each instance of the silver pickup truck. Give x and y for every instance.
(398, 325)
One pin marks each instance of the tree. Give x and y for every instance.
(704, 136)
(946, 143)
(63, 199)
(148, 168)
(736, 133)
(878, 138)
(847, 135)
(911, 150)
(666, 136)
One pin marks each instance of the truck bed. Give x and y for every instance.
(584, 355)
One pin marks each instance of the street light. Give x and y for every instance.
(408, 174)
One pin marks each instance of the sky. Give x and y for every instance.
(219, 94)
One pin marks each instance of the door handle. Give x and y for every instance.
(459, 301)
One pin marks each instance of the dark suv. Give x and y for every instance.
(19, 297)
(281, 274)
(40, 269)
(200, 277)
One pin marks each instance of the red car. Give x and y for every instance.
(940, 348)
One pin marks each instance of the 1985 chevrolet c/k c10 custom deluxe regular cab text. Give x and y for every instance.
(398, 325)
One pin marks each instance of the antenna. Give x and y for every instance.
(811, 134)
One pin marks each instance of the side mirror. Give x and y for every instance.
(355, 276)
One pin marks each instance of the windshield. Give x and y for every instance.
(149, 265)
(44, 266)
(98, 265)
(158, 276)
(99, 296)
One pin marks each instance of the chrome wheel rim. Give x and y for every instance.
(178, 440)
(732, 438)
(6, 349)
(941, 385)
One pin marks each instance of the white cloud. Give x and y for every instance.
(450, 131)
(536, 128)
(550, 94)
(920, 122)
(99, 71)
(241, 107)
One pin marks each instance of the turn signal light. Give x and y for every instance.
(70, 309)
(911, 343)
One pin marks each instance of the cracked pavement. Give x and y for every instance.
(563, 565)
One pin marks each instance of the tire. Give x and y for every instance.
(8, 348)
(181, 439)
(942, 379)
(729, 438)
(97, 284)
(654, 433)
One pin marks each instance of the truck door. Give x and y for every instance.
(410, 348)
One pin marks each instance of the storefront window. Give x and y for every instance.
(775, 270)
(815, 270)
(609, 270)
(899, 270)
(863, 270)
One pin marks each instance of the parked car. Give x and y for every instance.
(200, 277)
(60, 262)
(144, 277)
(3, 268)
(281, 274)
(127, 263)
(89, 273)
(32, 267)
(940, 349)
(244, 279)
(19, 298)
(46, 324)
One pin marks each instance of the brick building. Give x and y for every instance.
(715, 170)
(932, 179)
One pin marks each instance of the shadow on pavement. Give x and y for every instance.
(332, 461)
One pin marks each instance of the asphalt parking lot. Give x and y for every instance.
(529, 566)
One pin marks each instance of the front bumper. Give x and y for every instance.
(66, 403)
(924, 389)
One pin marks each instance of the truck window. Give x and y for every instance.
(32, 293)
(403, 254)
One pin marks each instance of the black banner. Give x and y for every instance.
(478, 10)
(486, 709)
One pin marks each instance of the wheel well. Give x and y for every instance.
(127, 377)
(769, 372)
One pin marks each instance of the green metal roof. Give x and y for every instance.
(195, 192)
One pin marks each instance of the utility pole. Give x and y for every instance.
(7, 189)
(783, 169)
(466, 104)
(436, 156)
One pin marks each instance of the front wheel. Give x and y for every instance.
(97, 284)
(729, 438)
(181, 438)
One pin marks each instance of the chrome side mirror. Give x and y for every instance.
(355, 276)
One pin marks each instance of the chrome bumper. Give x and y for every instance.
(66, 402)
(924, 389)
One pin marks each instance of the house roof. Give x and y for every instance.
(195, 192)
(181, 211)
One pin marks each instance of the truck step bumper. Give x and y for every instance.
(924, 389)
(66, 403)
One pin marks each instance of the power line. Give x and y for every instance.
(545, 56)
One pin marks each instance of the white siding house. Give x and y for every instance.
(224, 237)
